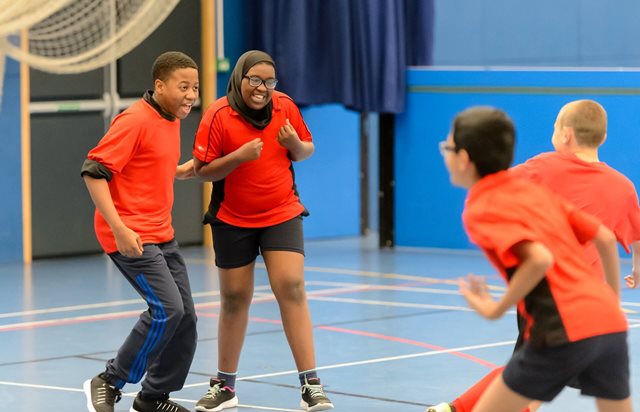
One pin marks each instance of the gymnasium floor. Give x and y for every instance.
(391, 331)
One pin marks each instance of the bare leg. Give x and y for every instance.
(608, 405)
(499, 398)
(534, 406)
(286, 275)
(236, 292)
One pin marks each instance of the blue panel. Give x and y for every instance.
(576, 33)
(428, 208)
(328, 182)
(10, 179)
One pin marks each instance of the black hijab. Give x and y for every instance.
(258, 118)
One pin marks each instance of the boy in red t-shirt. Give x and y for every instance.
(573, 329)
(130, 175)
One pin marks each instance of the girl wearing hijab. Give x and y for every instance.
(245, 145)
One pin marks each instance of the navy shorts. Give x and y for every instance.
(599, 365)
(238, 246)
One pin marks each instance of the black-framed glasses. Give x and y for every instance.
(255, 81)
(445, 147)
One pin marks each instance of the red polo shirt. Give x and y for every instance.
(570, 303)
(257, 193)
(593, 187)
(142, 150)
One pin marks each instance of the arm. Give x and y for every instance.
(535, 260)
(185, 171)
(298, 150)
(221, 167)
(127, 241)
(633, 280)
(605, 242)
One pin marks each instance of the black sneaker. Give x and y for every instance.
(313, 396)
(217, 398)
(101, 396)
(152, 405)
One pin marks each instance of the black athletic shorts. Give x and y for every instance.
(238, 246)
(599, 365)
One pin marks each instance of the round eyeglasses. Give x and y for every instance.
(255, 81)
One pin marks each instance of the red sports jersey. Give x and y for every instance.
(258, 193)
(570, 303)
(142, 150)
(593, 187)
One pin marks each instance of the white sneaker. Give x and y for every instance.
(441, 407)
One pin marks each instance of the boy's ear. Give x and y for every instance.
(464, 161)
(568, 135)
(158, 85)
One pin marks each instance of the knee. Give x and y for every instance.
(235, 301)
(174, 315)
(291, 289)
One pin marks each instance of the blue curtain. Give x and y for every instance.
(353, 52)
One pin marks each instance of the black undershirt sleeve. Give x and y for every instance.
(96, 170)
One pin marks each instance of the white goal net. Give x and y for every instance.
(74, 36)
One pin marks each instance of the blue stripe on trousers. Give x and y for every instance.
(158, 324)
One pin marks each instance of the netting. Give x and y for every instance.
(74, 36)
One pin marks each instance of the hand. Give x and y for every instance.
(475, 291)
(288, 137)
(128, 242)
(633, 280)
(185, 171)
(250, 150)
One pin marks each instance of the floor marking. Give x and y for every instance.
(60, 388)
(371, 361)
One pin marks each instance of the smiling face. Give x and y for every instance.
(177, 94)
(257, 98)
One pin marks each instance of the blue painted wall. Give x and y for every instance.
(537, 33)
(10, 167)
(328, 182)
(428, 208)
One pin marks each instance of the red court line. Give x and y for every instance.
(409, 342)
(135, 313)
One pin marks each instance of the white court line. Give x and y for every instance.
(391, 304)
(53, 388)
(103, 305)
(344, 287)
(63, 389)
(263, 297)
(371, 361)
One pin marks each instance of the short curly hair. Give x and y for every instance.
(168, 62)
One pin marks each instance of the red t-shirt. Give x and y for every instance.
(142, 150)
(261, 192)
(570, 303)
(593, 187)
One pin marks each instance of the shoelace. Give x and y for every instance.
(315, 391)
(213, 391)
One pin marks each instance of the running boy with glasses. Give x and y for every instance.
(573, 328)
